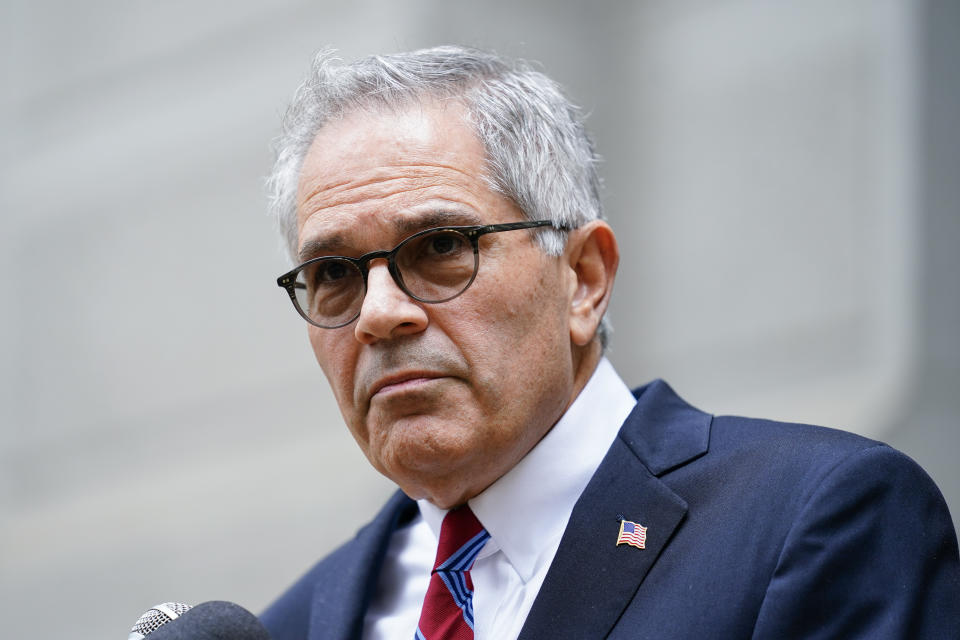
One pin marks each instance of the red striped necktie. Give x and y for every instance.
(447, 612)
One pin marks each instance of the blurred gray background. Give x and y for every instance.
(783, 178)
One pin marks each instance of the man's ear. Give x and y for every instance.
(593, 257)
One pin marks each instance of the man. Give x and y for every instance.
(454, 271)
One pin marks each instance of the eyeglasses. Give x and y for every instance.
(434, 265)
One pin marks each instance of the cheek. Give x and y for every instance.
(517, 334)
(320, 349)
(334, 359)
(531, 309)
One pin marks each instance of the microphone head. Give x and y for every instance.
(212, 621)
(155, 617)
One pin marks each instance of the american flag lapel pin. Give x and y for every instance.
(632, 533)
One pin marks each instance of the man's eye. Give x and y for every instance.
(443, 244)
(330, 272)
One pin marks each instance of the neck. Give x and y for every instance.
(585, 361)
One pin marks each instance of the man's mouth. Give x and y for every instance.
(403, 381)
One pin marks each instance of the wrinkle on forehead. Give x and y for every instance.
(401, 204)
(381, 182)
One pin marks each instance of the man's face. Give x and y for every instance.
(442, 398)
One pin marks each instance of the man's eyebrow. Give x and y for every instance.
(317, 246)
(436, 218)
(405, 226)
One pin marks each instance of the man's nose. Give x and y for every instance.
(387, 312)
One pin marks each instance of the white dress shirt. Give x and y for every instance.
(525, 512)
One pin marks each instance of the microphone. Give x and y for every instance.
(155, 617)
(214, 620)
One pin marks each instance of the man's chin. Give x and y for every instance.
(443, 496)
(445, 476)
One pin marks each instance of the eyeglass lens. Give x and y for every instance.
(432, 267)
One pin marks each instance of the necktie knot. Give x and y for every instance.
(448, 606)
(461, 538)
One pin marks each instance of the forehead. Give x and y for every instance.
(375, 172)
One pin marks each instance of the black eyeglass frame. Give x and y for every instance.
(289, 282)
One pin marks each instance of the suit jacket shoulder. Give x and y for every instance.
(754, 529)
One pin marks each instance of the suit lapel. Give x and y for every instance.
(339, 606)
(590, 569)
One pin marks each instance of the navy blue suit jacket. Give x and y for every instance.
(755, 529)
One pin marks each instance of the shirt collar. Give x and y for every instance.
(530, 504)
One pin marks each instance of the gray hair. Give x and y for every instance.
(538, 151)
